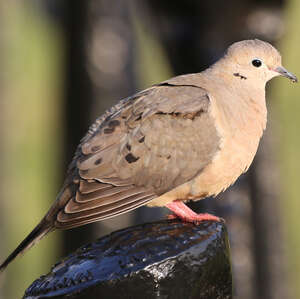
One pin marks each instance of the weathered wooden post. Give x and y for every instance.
(165, 259)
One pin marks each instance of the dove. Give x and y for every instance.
(187, 138)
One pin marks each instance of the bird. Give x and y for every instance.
(185, 139)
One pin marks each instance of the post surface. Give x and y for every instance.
(165, 259)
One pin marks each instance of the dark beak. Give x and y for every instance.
(283, 72)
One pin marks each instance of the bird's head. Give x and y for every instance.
(257, 61)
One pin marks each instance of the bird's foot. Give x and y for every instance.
(183, 212)
(196, 219)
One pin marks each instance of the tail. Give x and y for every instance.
(37, 234)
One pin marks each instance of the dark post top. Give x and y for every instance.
(165, 259)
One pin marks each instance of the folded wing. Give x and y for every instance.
(143, 147)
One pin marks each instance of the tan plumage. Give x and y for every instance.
(187, 138)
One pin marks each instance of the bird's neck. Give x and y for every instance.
(242, 103)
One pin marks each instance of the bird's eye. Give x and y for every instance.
(256, 62)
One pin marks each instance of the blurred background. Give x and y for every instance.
(62, 63)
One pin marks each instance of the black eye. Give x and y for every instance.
(256, 62)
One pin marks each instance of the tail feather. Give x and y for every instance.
(37, 234)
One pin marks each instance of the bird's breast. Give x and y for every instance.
(241, 130)
(233, 159)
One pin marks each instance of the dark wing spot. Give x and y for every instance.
(108, 130)
(139, 117)
(191, 116)
(142, 139)
(113, 123)
(84, 157)
(130, 158)
(97, 162)
(128, 146)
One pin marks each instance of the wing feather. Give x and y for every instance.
(138, 151)
(91, 196)
(106, 210)
(118, 211)
(86, 187)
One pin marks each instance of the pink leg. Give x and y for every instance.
(186, 214)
